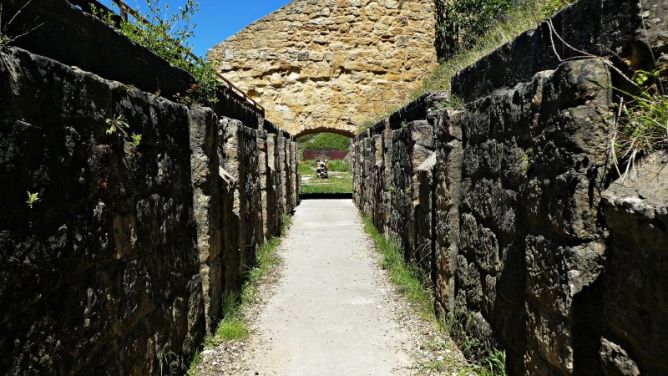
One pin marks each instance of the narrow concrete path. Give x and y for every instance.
(330, 313)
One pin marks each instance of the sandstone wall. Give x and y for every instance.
(122, 264)
(508, 206)
(331, 63)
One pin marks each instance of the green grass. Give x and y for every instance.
(338, 166)
(335, 184)
(233, 326)
(308, 166)
(406, 278)
(324, 141)
(232, 329)
(417, 288)
(340, 178)
(493, 365)
(642, 126)
(192, 369)
(526, 17)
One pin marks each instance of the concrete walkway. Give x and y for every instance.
(330, 313)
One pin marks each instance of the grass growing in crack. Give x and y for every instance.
(192, 369)
(642, 121)
(406, 278)
(233, 326)
(493, 365)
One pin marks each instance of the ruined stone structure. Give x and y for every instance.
(331, 64)
(512, 206)
(121, 265)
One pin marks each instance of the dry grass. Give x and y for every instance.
(528, 17)
(642, 127)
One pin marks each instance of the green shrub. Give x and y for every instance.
(167, 34)
(308, 167)
(325, 141)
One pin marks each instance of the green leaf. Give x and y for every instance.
(32, 198)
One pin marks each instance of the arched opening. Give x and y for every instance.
(324, 166)
(342, 132)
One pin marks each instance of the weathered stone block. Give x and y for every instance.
(529, 235)
(423, 214)
(274, 212)
(634, 299)
(204, 166)
(446, 227)
(107, 257)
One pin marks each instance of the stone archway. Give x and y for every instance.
(343, 132)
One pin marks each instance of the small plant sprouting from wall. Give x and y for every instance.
(120, 127)
(6, 21)
(32, 199)
(117, 125)
(135, 140)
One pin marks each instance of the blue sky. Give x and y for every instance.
(218, 19)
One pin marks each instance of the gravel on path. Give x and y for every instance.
(328, 309)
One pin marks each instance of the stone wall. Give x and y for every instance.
(633, 306)
(121, 265)
(330, 64)
(509, 205)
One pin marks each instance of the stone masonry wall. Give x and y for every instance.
(56, 38)
(317, 64)
(121, 265)
(510, 205)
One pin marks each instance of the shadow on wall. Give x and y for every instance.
(513, 208)
(141, 212)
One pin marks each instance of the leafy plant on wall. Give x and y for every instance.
(167, 33)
